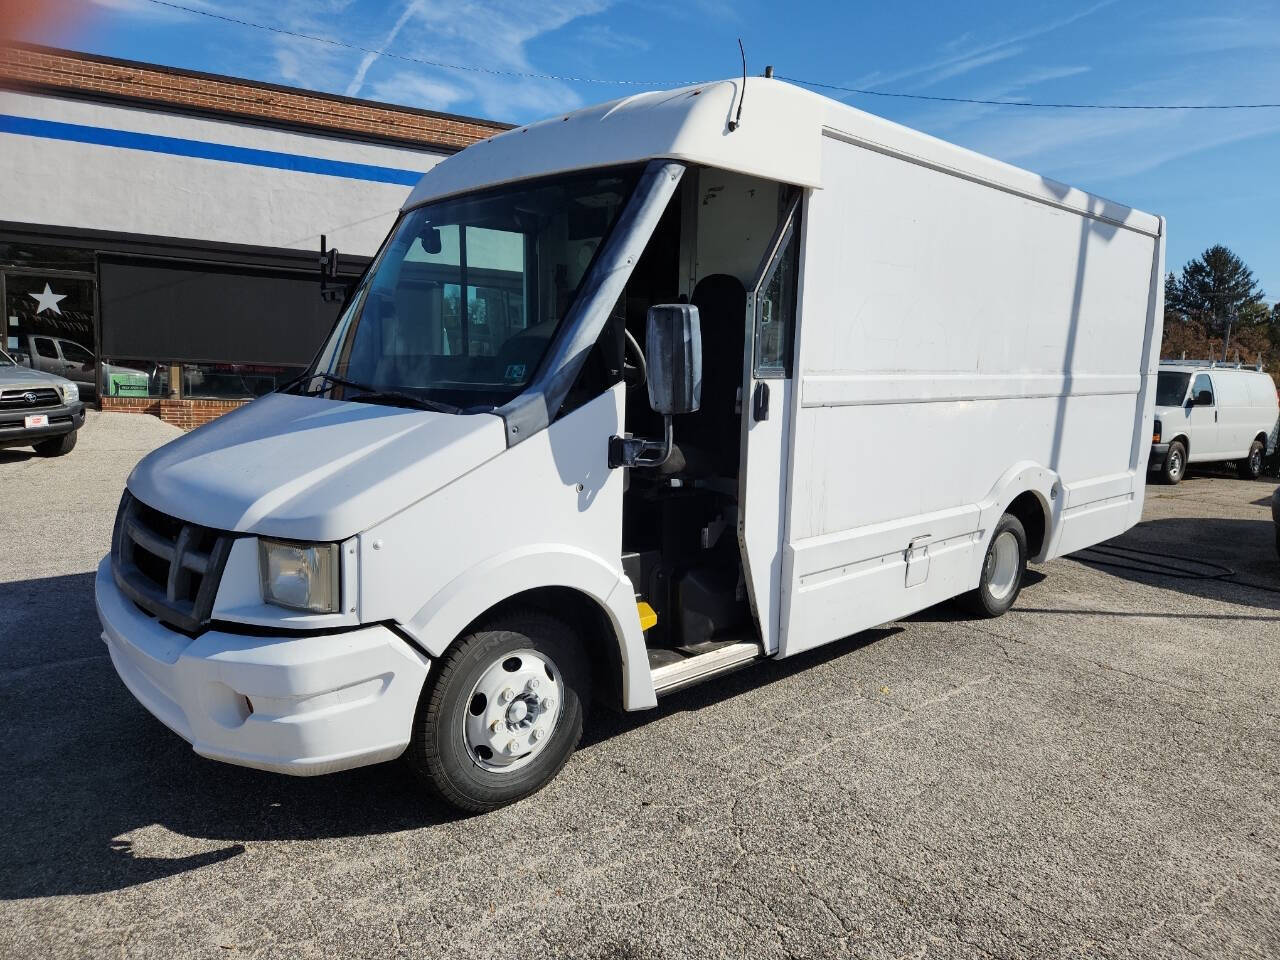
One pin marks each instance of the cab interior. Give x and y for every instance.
(680, 520)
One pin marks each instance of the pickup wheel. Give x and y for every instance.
(1175, 464)
(56, 446)
(501, 711)
(1002, 570)
(1250, 468)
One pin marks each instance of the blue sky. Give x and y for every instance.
(1214, 174)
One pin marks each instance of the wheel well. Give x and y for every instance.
(589, 620)
(1027, 508)
(1262, 438)
(1182, 439)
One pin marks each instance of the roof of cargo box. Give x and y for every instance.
(779, 138)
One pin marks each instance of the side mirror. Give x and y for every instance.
(328, 271)
(673, 342)
(1204, 398)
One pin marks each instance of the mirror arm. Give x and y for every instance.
(638, 452)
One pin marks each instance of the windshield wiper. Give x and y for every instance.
(370, 394)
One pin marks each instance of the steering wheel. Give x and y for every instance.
(635, 371)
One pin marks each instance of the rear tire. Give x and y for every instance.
(56, 446)
(1003, 569)
(484, 735)
(1250, 468)
(1175, 464)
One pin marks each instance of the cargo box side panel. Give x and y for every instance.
(958, 340)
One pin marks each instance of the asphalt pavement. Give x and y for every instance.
(1095, 774)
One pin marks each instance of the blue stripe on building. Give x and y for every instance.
(179, 147)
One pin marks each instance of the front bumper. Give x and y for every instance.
(1159, 451)
(62, 420)
(301, 705)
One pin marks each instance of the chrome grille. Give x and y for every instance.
(29, 398)
(167, 566)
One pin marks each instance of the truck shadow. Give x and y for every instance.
(90, 770)
(1227, 559)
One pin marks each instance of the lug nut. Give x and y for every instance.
(533, 684)
(548, 704)
(507, 695)
(495, 726)
(537, 736)
(511, 747)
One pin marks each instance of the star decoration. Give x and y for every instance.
(48, 300)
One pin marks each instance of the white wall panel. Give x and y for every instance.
(81, 185)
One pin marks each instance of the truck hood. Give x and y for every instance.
(306, 468)
(19, 376)
(1168, 414)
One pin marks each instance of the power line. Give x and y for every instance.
(1028, 103)
(524, 75)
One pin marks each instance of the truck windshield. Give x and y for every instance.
(1171, 388)
(463, 300)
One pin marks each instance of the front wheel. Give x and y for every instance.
(1002, 570)
(56, 446)
(502, 711)
(1175, 464)
(1250, 468)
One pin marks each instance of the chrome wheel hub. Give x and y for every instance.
(513, 710)
(1002, 565)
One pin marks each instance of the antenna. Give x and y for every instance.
(736, 122)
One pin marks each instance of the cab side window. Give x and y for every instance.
(1202, 384)
(75, 353)
(776, 308)
(45, 348)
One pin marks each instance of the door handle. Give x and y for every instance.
(760, 402)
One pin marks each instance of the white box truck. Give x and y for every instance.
(879, 371)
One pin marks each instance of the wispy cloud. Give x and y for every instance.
(367, 60)
(414, 90)
(962, 57)
(495, 34)
(968, 65)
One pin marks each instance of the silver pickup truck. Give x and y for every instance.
(38, 409)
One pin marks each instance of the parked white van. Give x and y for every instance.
(882, 371)
(1206, 413)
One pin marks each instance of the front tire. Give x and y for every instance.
(56, 446)
(1250, 468)
(1003, 569)
(1175, 464)
(502, 711)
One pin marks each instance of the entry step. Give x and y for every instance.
(672, 669)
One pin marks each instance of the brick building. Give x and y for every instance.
(159, 227)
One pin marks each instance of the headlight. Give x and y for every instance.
(70, 393)
(300, 576)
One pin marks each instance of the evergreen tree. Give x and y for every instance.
(1216, 288)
